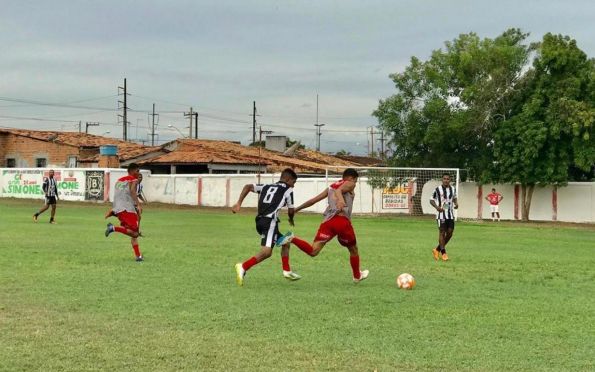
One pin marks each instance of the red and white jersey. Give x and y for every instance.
(494, 198)
(122, 198)
(331, 209)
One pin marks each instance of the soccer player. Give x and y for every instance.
(337, 222)
(139, 193)
(127, 208)
(495, 198)
(50, 190)
(272, 198)
(444, 199)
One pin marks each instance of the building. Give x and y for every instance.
(192, 156)
(20, 148)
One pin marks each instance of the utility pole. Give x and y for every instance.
(318, 134)
(124, 115)
(80, 126)
(196, 125)
(189, 115)
(254, 121)
(372, 143)
(382, 139)
(261, 132)
(153, 126)
(90, 124)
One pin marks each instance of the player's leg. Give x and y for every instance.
(346, 237)
(447, 236)
(128, 225)
(137, 254)
(43, 209)
(287, 273)
(53, 213)
(437, 252)
(358, 275)
(242, 268)
(268, 230)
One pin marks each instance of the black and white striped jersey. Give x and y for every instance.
(50, 188)
(444, 197)
(272, 198)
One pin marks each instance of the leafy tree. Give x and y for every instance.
(551, 131)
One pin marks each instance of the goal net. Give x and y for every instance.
(395, 190)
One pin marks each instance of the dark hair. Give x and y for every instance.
(493, 189)
(446, 174)
(350, 172)
(132, 167)
(289, 173)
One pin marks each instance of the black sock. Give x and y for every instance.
(443, 250)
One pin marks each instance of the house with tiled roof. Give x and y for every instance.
(192, 156)
(24, 148)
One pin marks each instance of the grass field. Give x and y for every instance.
(513, 296)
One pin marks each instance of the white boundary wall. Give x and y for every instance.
(572, 203)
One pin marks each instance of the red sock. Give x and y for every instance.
(354, 261)
(303, 245)
(285, 262)
(249, 263)
(136, 250)
(120, 229)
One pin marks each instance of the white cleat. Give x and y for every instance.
(291, 275)
(363, 275)
(240, 273)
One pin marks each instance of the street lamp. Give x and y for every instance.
(176, 128)
(106, 132)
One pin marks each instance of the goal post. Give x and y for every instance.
(385, 190)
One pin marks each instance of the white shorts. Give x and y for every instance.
(494, 208)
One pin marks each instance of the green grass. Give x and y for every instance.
(513, 296)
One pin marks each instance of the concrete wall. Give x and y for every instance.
(572, 203)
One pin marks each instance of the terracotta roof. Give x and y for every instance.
(185, 151)
(126, 150)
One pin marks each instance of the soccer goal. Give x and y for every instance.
(395, 190)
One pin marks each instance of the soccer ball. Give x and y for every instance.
(406, 281)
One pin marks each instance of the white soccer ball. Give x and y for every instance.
(406, 281)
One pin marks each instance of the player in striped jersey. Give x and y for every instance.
(444, 200)
(50, 190)
(272, 198)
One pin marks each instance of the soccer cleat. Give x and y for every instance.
(240, 273)
(363, 275)
(34, 218)
(53, 222)
(284, 239)
(444, 257)
(436, 254)
(109, 230)
(291, 275)
(139, 259)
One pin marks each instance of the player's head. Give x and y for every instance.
(133, 169)
(289, 177)
(493, 190)
(140, 177)
(350, 174)
(51, 173)
(445, 179)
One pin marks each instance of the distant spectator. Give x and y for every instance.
(495, 198)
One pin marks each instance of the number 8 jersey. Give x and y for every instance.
(272, 198)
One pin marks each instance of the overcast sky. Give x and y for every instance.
(219, 56)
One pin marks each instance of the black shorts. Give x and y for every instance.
(50, 200)
(268, 228)
(444, 225)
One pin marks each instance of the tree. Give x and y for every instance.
(445, 109)
(551, 130)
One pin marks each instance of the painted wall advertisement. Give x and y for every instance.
(27, 183)
(94, 185)
(398, 197)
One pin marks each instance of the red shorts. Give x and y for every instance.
(339, 226)
(128, 220)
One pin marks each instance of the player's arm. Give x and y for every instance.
(455, 200)
(132, 188)
(433, 203)
(500, 198)
(312, 201)
(45, 187)
(290, 206)
(248, 188)
(347, 186)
